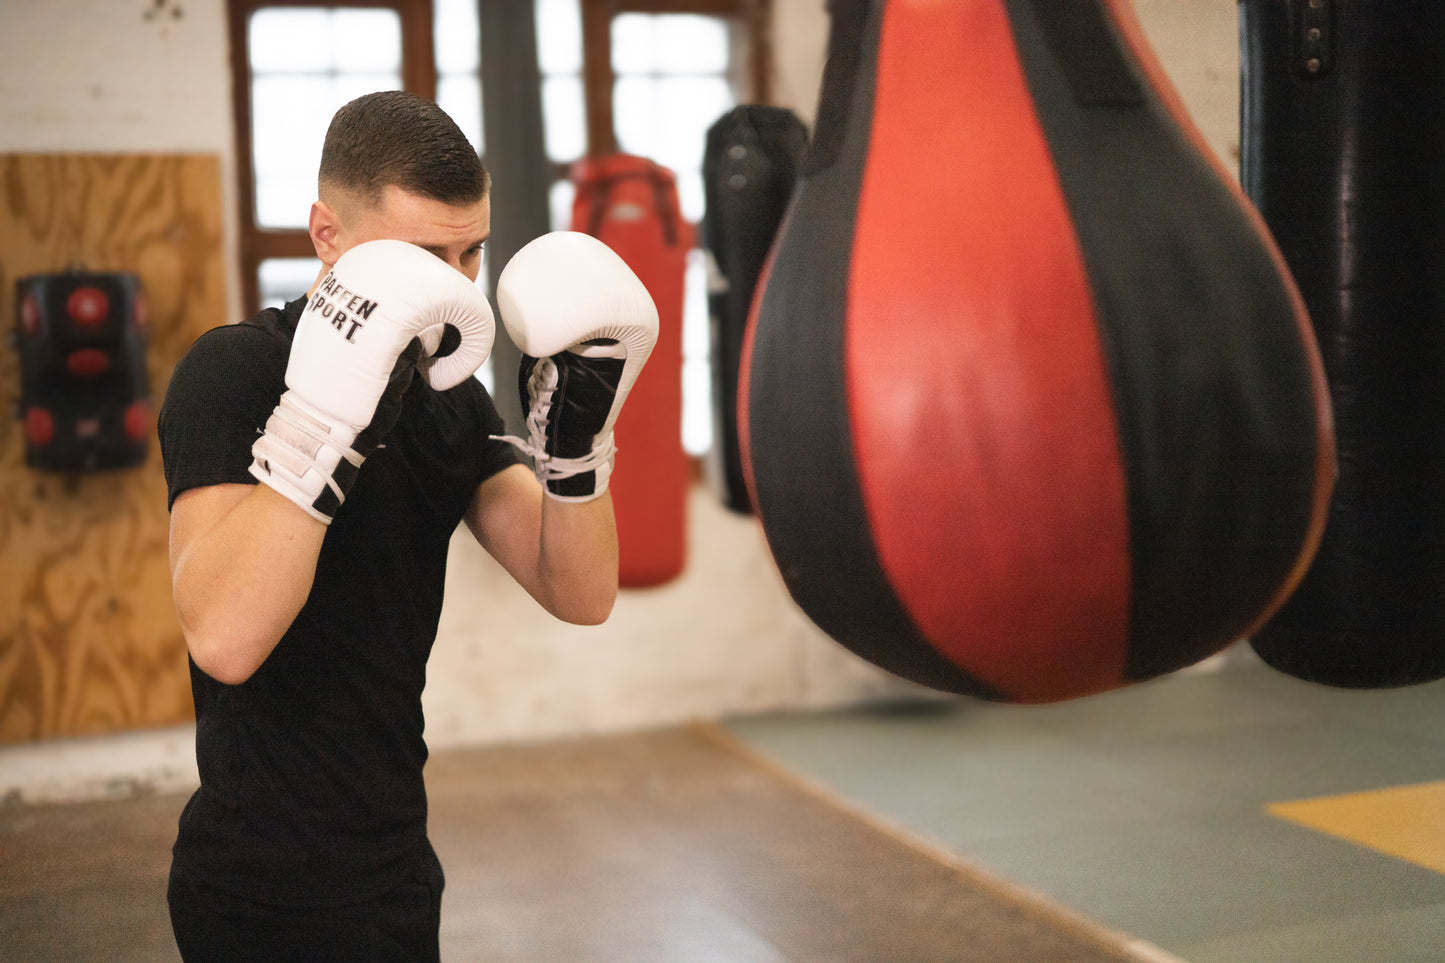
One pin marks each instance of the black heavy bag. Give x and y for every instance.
(1343, 149)
(1032, 407)
(749, 169)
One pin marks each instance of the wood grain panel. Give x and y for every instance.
(89, 641)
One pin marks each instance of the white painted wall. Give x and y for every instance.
(131, 75)
(120, 76)
(800, 49)
(1198, 43)
(722, 639)
(114, 75)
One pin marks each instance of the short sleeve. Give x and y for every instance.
(217, 402)
(496, 454)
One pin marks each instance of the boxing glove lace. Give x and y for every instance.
(585, 326)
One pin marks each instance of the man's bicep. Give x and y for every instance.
(505, 518)
(198, 510)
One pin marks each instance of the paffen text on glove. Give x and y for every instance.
(337, 301)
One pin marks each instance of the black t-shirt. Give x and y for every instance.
(311, 770)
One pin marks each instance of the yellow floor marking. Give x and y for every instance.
(1406, 821)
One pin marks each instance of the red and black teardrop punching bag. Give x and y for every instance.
(1343, 149)
(1033, 409)
(630, 204)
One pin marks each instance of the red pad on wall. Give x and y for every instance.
(1032, 409)
(630, 203)
(84, 388)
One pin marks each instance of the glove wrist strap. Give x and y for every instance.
(306, 458)
(551, 469)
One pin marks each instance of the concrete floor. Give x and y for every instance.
(882, 834)
(674, 846)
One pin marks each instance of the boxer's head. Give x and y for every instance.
(394, 165)
(399, 139)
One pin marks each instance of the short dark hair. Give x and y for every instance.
(400, 139)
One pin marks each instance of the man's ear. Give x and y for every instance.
(325, 228)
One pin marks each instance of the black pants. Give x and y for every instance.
(399, 927)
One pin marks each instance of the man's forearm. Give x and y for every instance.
(578, 561)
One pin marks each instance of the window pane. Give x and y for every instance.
(457, 36)
(559, 36)
(671, 85)
(285, 39)
(312, 40)
(485, 374)
(366, 41)
(696, 405)
(560, 198)
(690, 195)
(687, 107)
(634, 108)
(634, 44)
(289, 114)
(285, 279)
(666, 119)
(284, 200)
(687, 43)
(697, 428)
(676, 43)
(306, 62)
(347, 87)
(460, 95)
(564, 118)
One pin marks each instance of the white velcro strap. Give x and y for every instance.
(298, 453)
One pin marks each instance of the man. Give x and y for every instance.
(310, 601)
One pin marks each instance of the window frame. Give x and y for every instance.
(418, 75)
(597, 76)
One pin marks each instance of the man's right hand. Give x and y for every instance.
(386, 310)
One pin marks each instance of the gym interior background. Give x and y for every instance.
(119, 148)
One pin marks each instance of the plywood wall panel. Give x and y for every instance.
(89, 641)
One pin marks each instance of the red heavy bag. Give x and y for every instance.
(630, 204)
(1032, 409)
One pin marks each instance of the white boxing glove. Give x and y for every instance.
(386, 310)
(585, 326)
